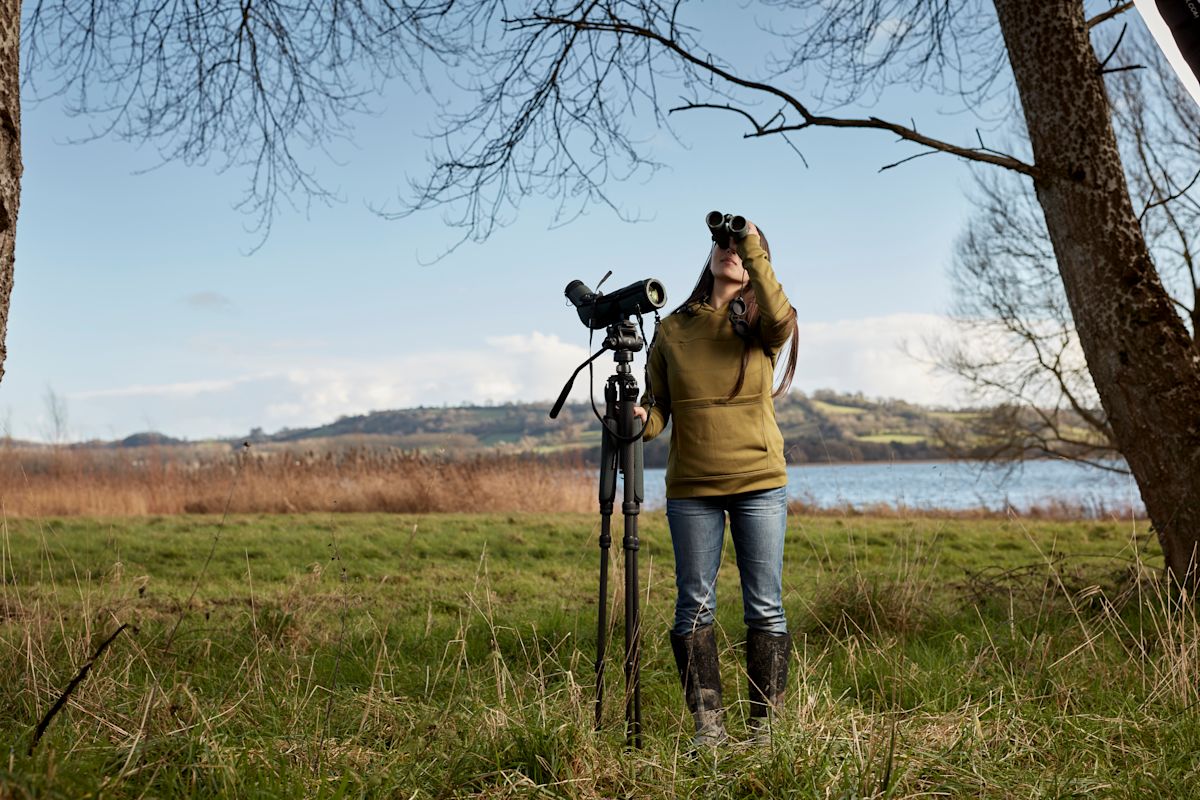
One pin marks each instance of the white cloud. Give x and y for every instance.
(316, 390)
(848, 355)
(506, 368)
(868, 355)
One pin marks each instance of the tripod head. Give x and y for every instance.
(624, 339)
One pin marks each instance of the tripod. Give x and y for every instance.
(620, 448)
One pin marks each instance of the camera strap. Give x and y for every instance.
(646, 366)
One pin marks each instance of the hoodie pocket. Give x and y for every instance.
(713, 437)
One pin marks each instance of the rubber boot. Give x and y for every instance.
(699, 672)
(767, 656)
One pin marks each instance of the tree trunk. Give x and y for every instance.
(10, 156)
(1142, 360)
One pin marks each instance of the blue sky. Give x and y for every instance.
(136, 300)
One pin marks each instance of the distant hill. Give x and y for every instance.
(148, 439)
(823, 427)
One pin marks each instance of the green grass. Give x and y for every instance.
(451, 655)
(900, 438)
(957, 415)
(833, 408)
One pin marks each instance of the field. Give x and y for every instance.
(450, 655)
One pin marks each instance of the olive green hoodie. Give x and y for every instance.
(720, 446)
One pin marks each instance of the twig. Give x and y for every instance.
(1172, 197)
(1107, 15)
(78, 679)
(910, 158)
(1113, 52)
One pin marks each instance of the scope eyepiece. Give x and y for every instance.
(579, 294)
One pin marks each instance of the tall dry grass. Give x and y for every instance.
(65, 482)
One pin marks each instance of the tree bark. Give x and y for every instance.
(1144, 363)
(10, 157)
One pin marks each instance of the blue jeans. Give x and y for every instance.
(757, 522)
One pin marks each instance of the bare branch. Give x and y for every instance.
(758, 127)
(567, 92)
(1107, 15)
(909, 158)
(1113, 51)
(810, 119)
(1171, 197)
(259, 86)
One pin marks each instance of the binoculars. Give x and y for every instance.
(723, 227)
(598, 310)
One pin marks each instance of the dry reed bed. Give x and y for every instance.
(54, 483)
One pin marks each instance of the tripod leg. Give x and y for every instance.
(633, 632)
(631, 453)
(602, 617)
(608, 490)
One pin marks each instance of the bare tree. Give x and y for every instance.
(56, 416)
(1016, 345)
(557, 88)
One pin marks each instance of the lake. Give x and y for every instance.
(952, 485)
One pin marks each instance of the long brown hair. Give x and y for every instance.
(703, 291)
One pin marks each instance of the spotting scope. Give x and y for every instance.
(599, 310)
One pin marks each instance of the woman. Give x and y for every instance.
(711, 367)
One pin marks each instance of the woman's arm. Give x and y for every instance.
(774, 309)
(656, 374)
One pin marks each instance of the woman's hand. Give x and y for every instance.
(640, 413)
(751, 228)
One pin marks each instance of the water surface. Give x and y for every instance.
(953, 485)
